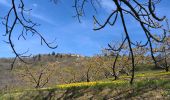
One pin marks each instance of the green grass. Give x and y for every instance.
(144, 81)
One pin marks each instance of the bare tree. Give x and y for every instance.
(163, 52)
(17, 16)
(38, 78)
(121, 58)
(142, 11)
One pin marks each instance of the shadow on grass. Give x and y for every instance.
(141, 88)
(138, 89)
(116, 92)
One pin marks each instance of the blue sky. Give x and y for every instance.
(71, 36)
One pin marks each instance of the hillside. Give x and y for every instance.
(148, 85)
(12, 79)
(69, 76)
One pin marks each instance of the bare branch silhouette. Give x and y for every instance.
(144, 13)
(28, 27)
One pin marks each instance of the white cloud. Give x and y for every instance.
(5, 3)
(43, 18)
(108, 5)
(35, 15)
(34, 5)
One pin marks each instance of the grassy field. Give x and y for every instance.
(150, 85)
